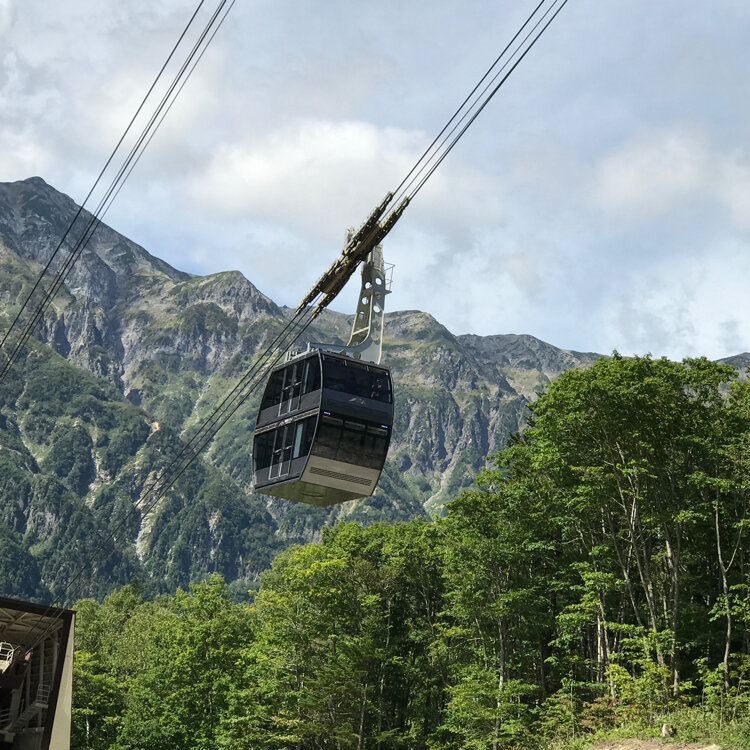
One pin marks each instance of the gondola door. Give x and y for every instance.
(291, 390)
(282, 452)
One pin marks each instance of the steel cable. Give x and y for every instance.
(398, 193)
(122, 175)
(301, 321)
(488, 99)
(170, 474)
(479, 104)
(104, 169)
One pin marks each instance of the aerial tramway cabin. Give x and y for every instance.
(323, 428)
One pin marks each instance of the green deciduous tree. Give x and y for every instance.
(177, 699)
(596, 575)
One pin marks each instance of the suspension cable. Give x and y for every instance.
(103, 170)
(371, 232)
(437, 150)
(492, 93)
(398, 191)
(186, 69)
(190, 451)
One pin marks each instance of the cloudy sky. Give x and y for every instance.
(600, 202)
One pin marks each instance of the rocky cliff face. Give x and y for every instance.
(741, 362)
(171, 344)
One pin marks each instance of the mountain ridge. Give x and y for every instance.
(171, 345)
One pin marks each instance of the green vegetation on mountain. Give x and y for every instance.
(144, 353)
(75, 456)
(595, 579)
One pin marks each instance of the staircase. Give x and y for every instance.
(11, 721)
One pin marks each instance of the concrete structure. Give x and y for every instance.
(36, 676)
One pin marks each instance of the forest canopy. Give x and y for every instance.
(595, 577)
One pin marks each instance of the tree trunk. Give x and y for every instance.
(723, 569)
(362, 707)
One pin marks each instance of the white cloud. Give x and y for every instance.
(21, 155)
(730, 336)
(574, 209)
(304, 173)
(734, 187)
(651, 174)
(316, 174)
(6, 15)
(668, 170)
(684, 306)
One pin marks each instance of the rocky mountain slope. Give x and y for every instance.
(151, 350)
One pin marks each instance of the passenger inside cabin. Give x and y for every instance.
(378, 388)
(12, 677)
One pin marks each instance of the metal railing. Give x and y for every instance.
(6, 655)
(42, 694)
